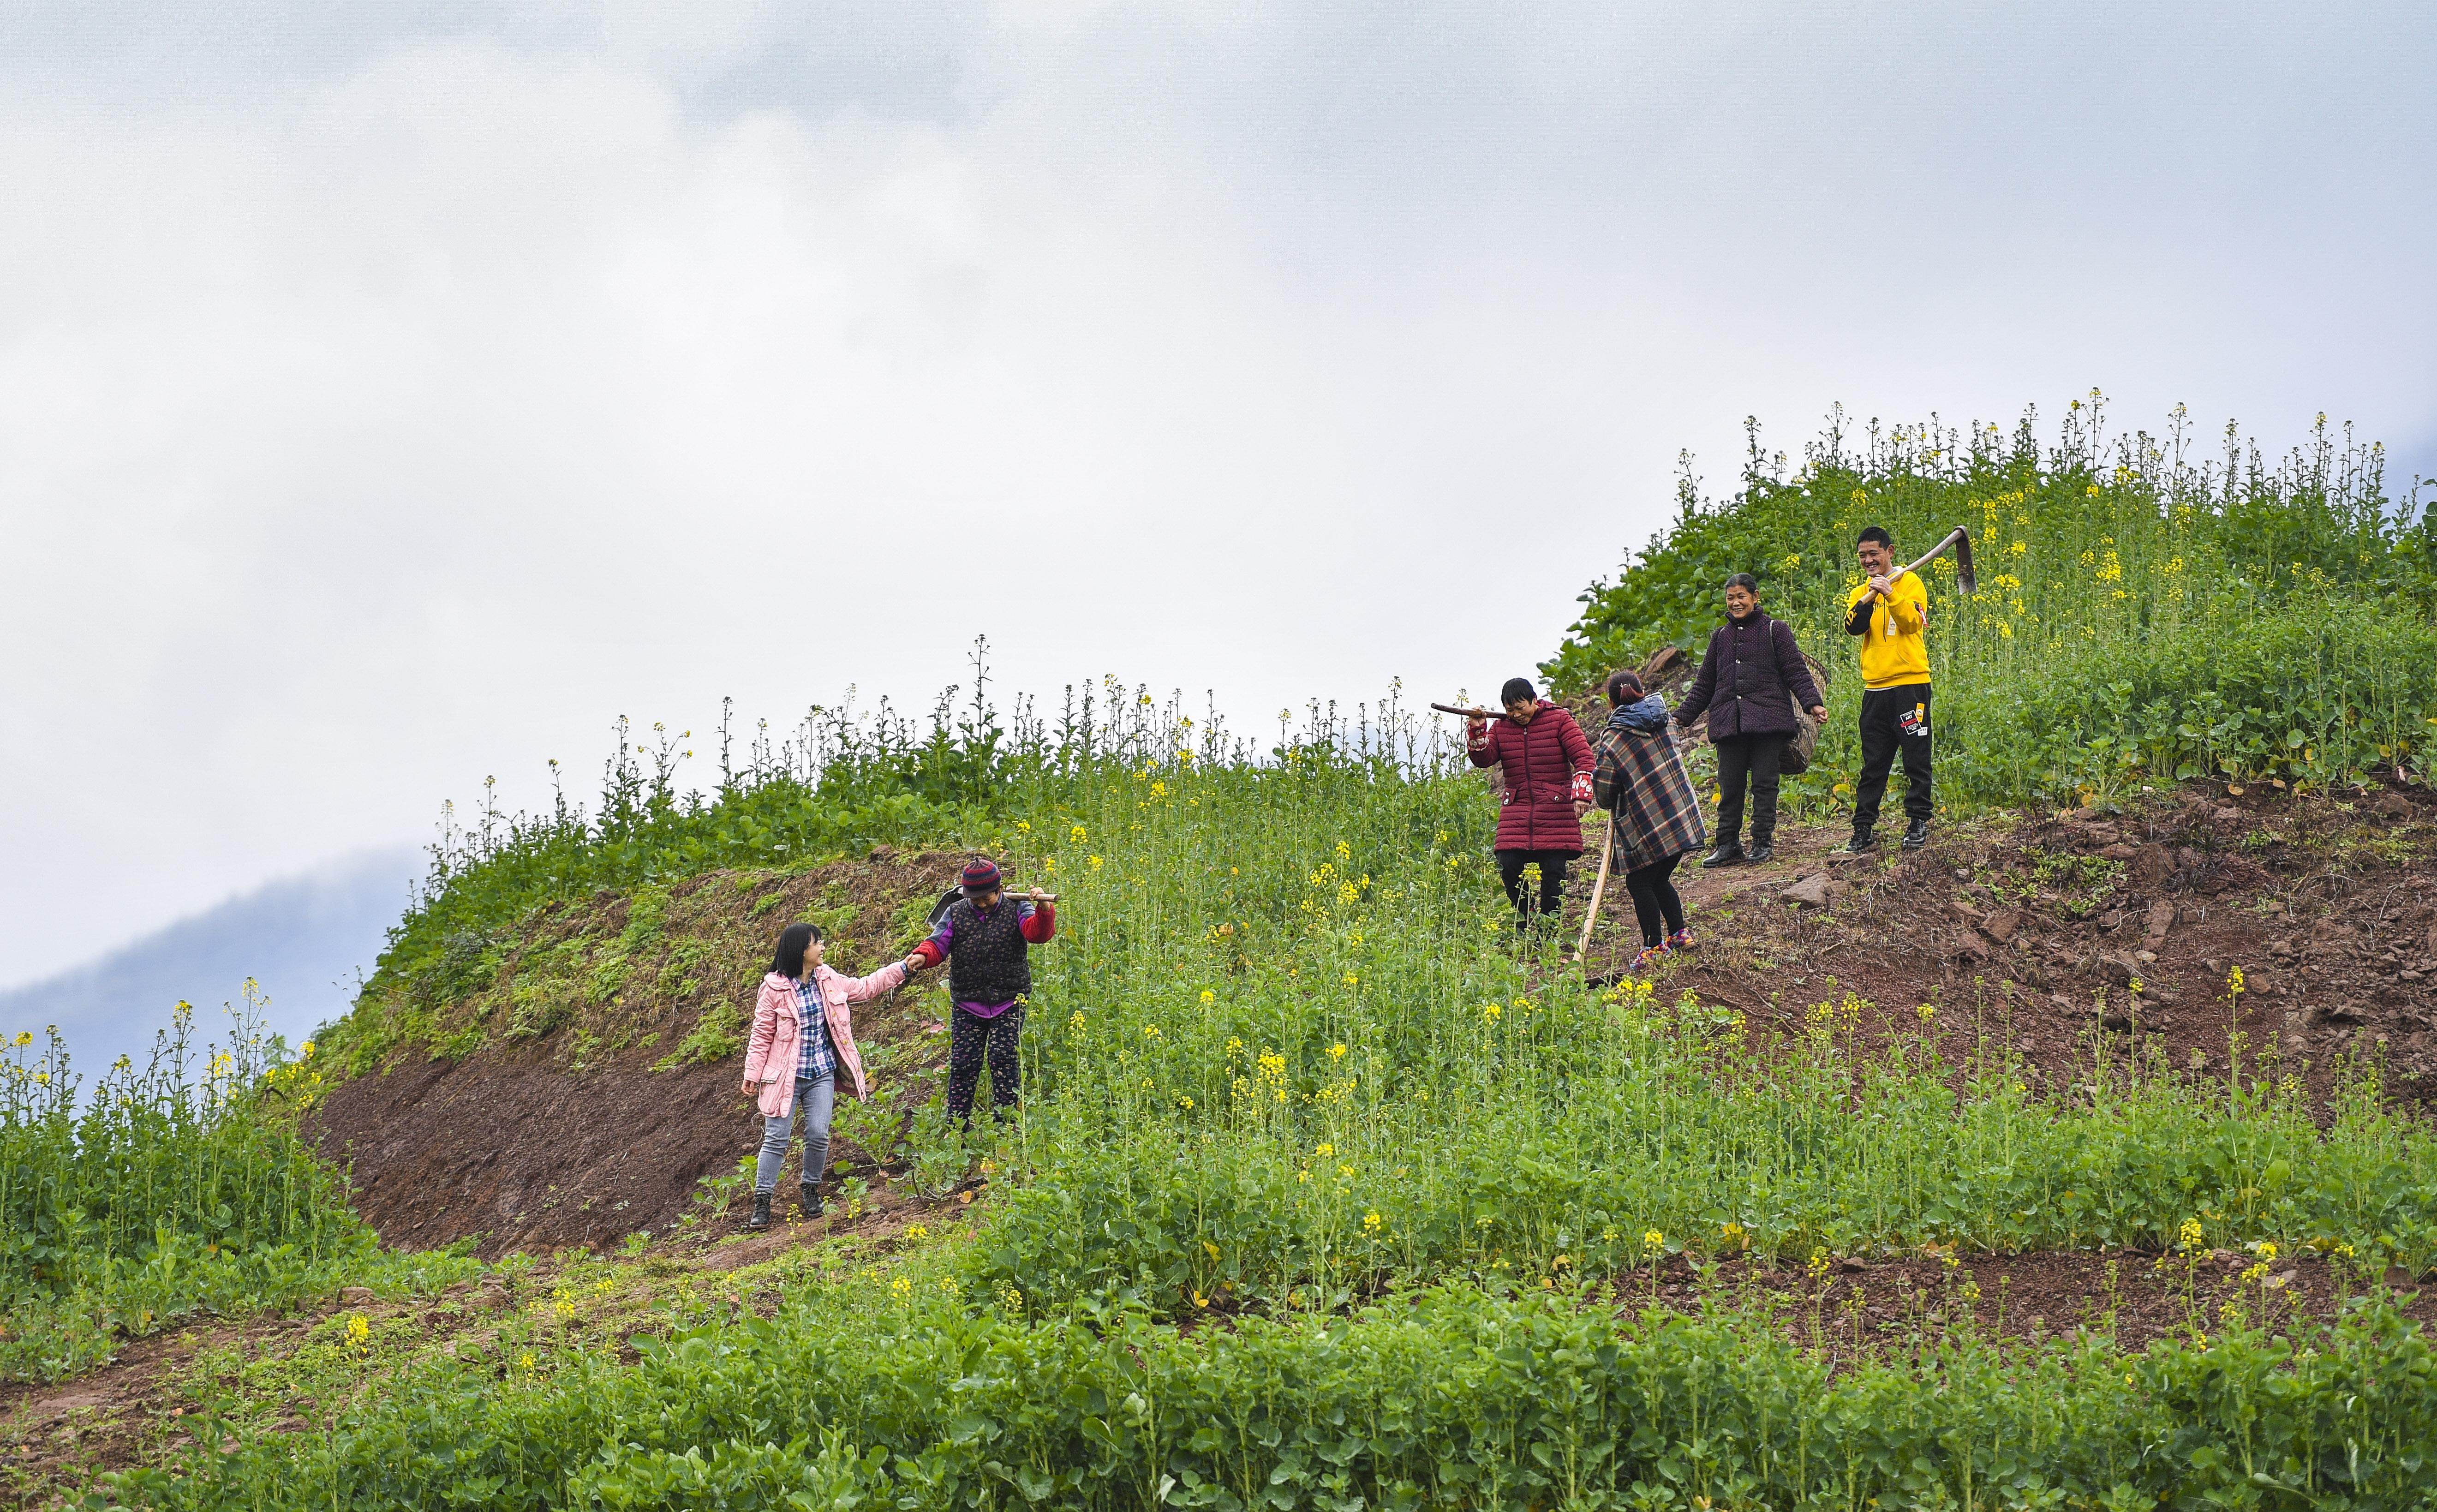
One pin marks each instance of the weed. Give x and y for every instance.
(717, 1034)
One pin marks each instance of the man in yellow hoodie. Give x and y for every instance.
(1891, 612)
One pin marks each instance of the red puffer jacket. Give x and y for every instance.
(1548, 770)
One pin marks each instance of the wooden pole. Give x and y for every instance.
(1607, 850)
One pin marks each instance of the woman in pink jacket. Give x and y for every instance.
(802, 1033)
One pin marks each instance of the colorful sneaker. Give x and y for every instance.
(1650, 958)
(1681, 940)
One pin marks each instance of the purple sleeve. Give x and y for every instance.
(944, 934)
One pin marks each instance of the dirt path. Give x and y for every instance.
(2029, 934)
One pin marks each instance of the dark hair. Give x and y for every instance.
(1517, 690)
(788, 959)
(1877, 533)
(1622, 683)
(1745, 580)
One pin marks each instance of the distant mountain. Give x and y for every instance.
(303, 939)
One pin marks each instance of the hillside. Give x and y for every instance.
(2133, 1198)
(615, 1023)
(2082, 1159)
(2019, 936)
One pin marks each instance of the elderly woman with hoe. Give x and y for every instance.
(1751, 681)
(1640, 779)
(1547, 764)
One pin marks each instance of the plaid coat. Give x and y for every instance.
(1640, 779)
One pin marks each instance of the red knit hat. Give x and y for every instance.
(980, 876)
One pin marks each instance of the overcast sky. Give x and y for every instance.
(392, 395)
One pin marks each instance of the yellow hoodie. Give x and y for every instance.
(1895, 645)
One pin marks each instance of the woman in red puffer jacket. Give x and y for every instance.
(1546, 767)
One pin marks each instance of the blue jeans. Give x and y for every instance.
(813, 1100)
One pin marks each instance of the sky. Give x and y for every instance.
(394, 395)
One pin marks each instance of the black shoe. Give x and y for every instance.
(1863, 843)
(811, 1207)
(1761, 850)
(761, 1219)
(1917, 836)
(1727, 853)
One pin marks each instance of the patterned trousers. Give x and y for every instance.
(969, 1036)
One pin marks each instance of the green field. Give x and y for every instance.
(1328, 1192)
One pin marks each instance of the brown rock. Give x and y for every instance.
(1808, 893)
(2391, 805)
(2228, 815)
(1972, 948)
(2159, 919)
(1965, 911)
(2000, 925)
(2117, 968)
(2119, 851)
(2186, 860)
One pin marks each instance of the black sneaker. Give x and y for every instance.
(1863, 843)
(761, 1219)
(1917, 836)
(1727, 853)
(1761, 850)
(811, 1200)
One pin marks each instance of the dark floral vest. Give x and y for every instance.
(988, 956)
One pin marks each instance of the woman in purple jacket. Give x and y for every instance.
(1749, 678)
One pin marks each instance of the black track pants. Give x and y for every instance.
(1655, 907)
(1552, 880)
(1755, 755)
(969, 1036)
(1894, 720)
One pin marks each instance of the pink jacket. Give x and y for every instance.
(778, 1029)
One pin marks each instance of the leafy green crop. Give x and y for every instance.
(2139, 617)
(904, 1390)
(165, 1192)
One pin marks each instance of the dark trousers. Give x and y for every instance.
(1755, 755)
(1552, 880)
(969, 1036)
(1894, 720)
(1655, 902)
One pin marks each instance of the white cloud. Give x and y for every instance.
(390, 399)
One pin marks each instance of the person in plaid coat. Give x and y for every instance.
(1641, 780)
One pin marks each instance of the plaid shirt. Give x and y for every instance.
(815, 1058)
(1640, 779)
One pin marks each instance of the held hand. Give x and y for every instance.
(1037, 896)
(1580, 809)
(1819, 711)
(1882, 585)
(913, 964)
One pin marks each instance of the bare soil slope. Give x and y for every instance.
(2033, 931)
(584, 1092)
